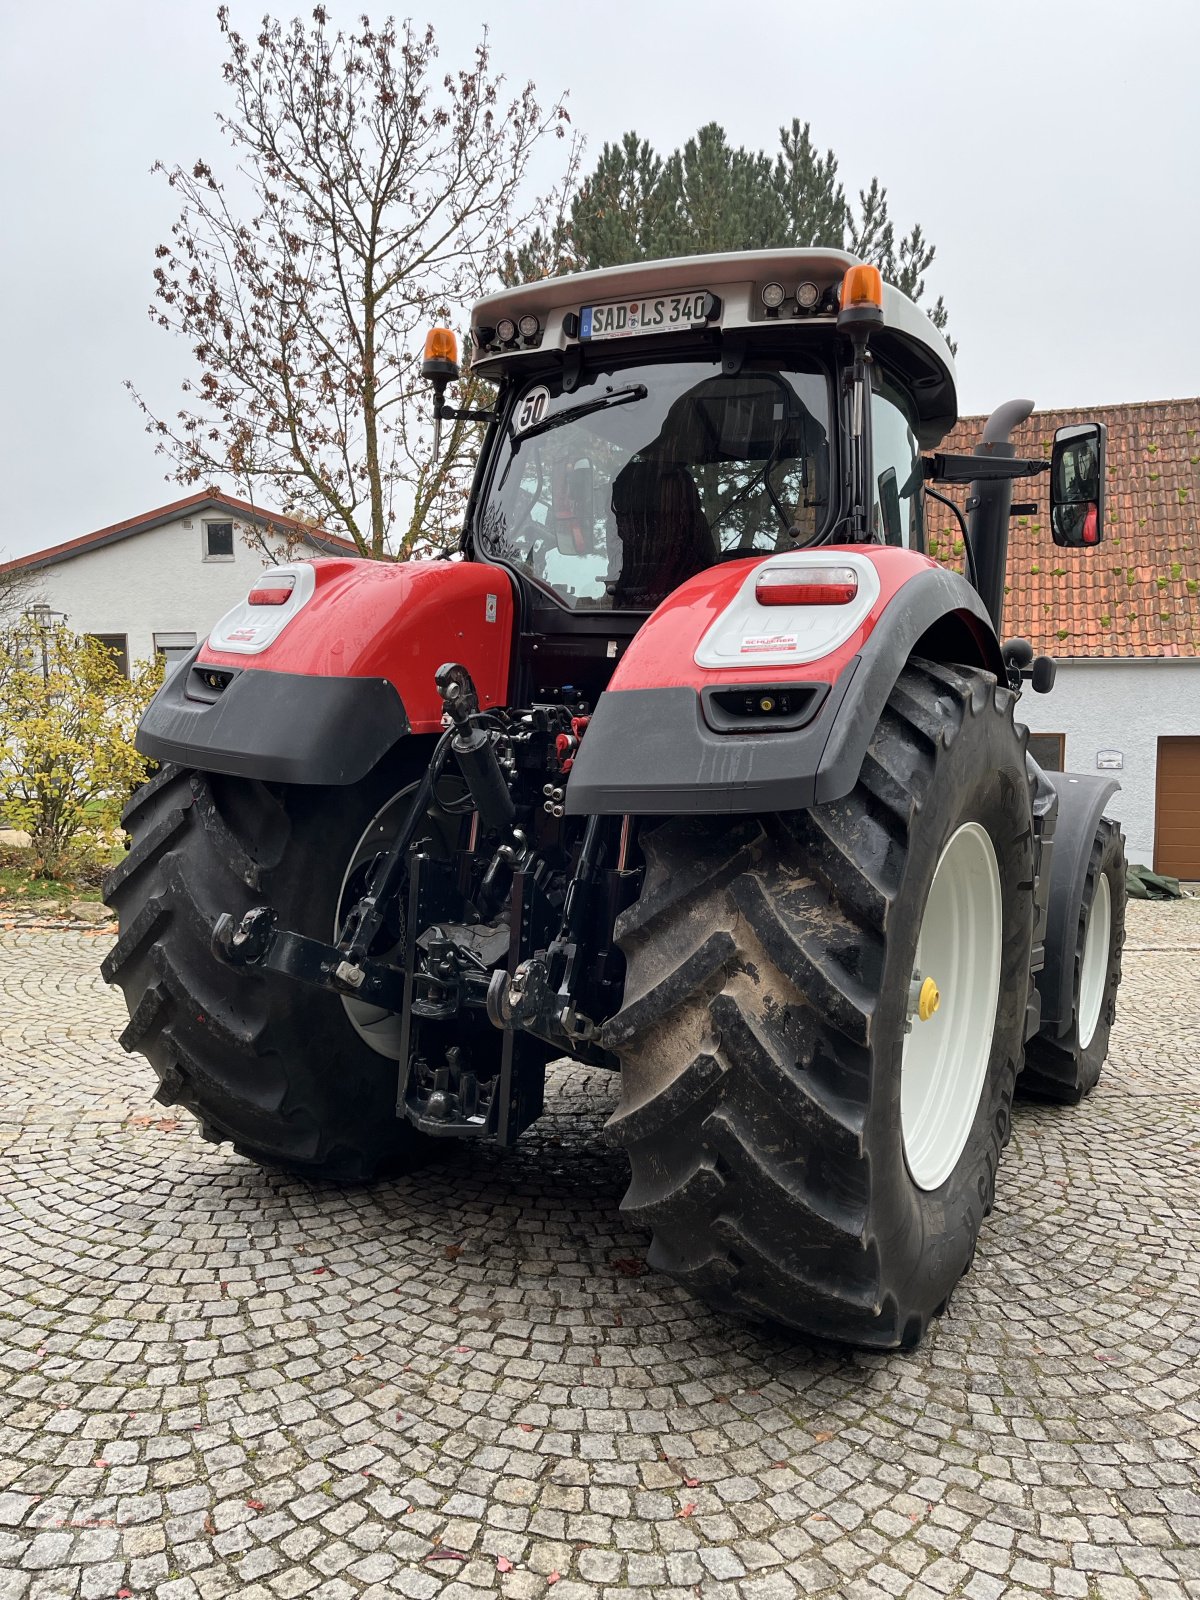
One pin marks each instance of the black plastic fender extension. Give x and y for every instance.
(279, 727)
(1081, 803)
(651, 752)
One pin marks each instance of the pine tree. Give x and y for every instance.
(872, 236)
(716, 198)
(618, 212)
(812, 200)
(635, 206)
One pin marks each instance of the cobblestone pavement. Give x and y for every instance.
(219, 1381)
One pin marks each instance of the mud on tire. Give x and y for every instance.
(761, 1035)
(271, 1065)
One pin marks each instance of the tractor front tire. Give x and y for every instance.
(1066, 1067)
(274, 1066)
(770, 978)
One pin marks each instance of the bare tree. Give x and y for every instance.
(18, 591)
(370, 197)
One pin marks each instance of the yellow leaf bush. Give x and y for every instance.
(67, 760)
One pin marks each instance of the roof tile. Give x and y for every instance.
(1138, 592)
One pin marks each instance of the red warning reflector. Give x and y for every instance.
(275, 593)
(806, 586)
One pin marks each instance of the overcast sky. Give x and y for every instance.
(1049, 149)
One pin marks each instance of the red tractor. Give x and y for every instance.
(695, 767)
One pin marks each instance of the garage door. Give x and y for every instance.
(1177, 809)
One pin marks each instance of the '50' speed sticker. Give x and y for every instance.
(531, 408)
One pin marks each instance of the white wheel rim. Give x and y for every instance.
(945, 1056)
(1095, 961)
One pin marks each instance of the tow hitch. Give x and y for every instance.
(500, 934)
(256, 941)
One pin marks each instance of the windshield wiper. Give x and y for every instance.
(614, 397)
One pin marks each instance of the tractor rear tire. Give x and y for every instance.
(1065, 1069)
(770, 967)
(272, 1065)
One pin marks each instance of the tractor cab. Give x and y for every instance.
(654, 421)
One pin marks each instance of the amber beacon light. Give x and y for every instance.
(441, 355)
(862, 296)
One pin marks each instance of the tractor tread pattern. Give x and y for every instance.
(693, 975)
(151, 844)
(745, 1086)
(238, 1052)
(145, 793)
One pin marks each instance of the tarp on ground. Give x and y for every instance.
(1143, 884)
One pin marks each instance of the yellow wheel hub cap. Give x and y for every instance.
(929, 1000)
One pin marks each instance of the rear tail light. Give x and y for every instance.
(276, 598)
(806, 586)
(276, 592)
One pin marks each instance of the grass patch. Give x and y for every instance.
(19, 888)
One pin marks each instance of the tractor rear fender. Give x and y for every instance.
(1081, 804)
(318, 686)
(674, 734)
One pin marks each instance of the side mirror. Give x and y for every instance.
(1077, 479)
(889, 506)
(572, 509)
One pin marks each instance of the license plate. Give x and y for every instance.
(625, 318)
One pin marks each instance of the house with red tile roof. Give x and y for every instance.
(156, 583)
(1122, 620)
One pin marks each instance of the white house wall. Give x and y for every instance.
(1122, 706)
(153, 582)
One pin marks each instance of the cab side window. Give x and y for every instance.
(897, 482)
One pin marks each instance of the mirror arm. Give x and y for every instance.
(443, 412)
(942, 468)
(467, 416)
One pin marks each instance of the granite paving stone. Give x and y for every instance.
(219, 1382)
